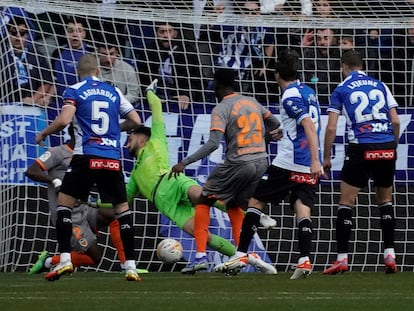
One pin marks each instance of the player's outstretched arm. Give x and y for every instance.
(155, 105)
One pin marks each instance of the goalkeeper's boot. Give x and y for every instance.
(267, 222)
(139, 271)
(234, 264)
(39, 264)
(60, 269)
(152, 87)
(132, 275)
(199, 264)
(302, 270)
(339, 266)
(264, 267)
(390, 265)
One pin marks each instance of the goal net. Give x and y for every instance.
(206, 35)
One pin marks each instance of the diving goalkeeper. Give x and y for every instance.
(175, 197)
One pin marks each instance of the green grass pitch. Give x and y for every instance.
(208, 291)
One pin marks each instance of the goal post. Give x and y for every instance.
(131, 26)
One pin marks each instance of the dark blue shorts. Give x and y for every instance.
(86, 171)
(365, 161)
(277, 183)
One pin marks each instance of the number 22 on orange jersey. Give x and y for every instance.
(251, 130)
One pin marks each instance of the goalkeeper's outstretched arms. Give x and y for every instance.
(154, 101)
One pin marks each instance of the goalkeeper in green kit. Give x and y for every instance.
(175, 198)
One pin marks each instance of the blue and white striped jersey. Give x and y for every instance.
(298, 102)
(365, 103)
(241, 47)
(99, 107)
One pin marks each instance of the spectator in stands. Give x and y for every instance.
(286, 7)
(141, 35)
(49, 30)
(221, 8)
(346, 41)
(246, 49)
(208, 39)
(404, 65)
(27, 74)
(378, 46)
(10, 12)
(324, 9)
(116, 71)
(382, 8)
(321, 60)
(107, 23)
(172, 63)
(65, 58)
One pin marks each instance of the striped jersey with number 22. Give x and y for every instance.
(365, 102)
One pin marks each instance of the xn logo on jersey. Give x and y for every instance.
(374, 127)
(108, 142)
(379, 127)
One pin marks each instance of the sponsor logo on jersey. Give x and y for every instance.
(302, 178)
(374, 127)
(106, 164)
(108, 142)
(379, 154)
(379, 127)
(250, 150)
(45, 156)
(103, 141)
(366, 128)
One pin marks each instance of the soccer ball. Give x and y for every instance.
(169, 251)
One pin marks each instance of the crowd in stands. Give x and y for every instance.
(184, 56)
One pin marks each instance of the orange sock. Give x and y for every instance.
(236, 216)
(116, 239)
(55, 260)
(78, 259)
(201, 223)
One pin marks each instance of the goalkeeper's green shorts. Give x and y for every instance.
(171, 198)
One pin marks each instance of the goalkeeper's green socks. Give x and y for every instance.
(221, 245)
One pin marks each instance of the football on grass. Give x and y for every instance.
(169, 251)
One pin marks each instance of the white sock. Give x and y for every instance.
(240, 254)
(303, 259)
(342, 256)
(130, 265)
(200, 255)
(389, 251)
(65, 257)
(48, 262)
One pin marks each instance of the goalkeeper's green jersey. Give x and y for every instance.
(152, 161)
